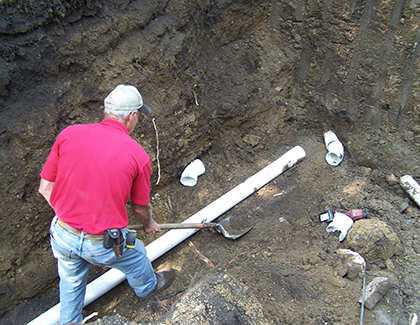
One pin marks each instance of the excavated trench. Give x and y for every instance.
(236, 84)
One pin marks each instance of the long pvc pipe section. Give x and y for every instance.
(172, 238)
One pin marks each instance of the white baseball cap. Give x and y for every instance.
(125, 98)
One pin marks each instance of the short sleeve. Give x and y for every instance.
(49, 172)
(140, 192)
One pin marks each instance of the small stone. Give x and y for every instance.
(389, 264)
(251, 140)
(403, 207)
(374, 291)
(392, 180)
(355, 264)
(365, 171)
(337, 282)
(267, 254)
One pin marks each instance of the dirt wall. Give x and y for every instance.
(212, 72)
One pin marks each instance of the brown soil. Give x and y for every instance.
(236, 84)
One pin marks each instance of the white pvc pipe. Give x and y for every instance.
(172, 238)
(335, 148)
(412, 188)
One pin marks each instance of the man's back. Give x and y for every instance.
(96, 167)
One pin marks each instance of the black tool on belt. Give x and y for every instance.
(130, 241)
(114, 239)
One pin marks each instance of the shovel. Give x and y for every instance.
(220, 227)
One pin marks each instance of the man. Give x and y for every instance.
(89, 176)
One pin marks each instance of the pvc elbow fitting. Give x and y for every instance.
(190, 174)
(335, 149)
(341, 223)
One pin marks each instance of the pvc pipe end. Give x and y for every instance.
(333, 159)
(188, 180)
(190, 174)
(298, 151)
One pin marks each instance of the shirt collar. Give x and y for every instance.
(114, 124)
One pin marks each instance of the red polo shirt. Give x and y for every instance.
(96, 168)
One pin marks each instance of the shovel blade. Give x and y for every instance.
(226, 230)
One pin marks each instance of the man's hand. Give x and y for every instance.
(143, 213)
(152, 228)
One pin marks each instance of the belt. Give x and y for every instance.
(77, 232)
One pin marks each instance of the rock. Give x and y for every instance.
(220, 298)
(390, 308)
(337, 282)
(392, 180)
(373, 239)
(403, 207)
(365, 171)
(414, 319)
(389, 264)
(355, 263)
(374, 291)
(252, 140)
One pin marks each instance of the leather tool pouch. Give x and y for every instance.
(114, 238)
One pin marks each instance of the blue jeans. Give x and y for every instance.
(75, 254)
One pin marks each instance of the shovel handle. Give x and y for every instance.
(179, 225)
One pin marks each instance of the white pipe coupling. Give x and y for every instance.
(335, 149)
(190, 174)
(341, 223)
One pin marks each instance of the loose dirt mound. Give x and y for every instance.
(236, 84)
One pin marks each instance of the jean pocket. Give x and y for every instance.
(59, 250)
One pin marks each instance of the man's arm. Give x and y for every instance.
(45, 189)
(143, 213)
